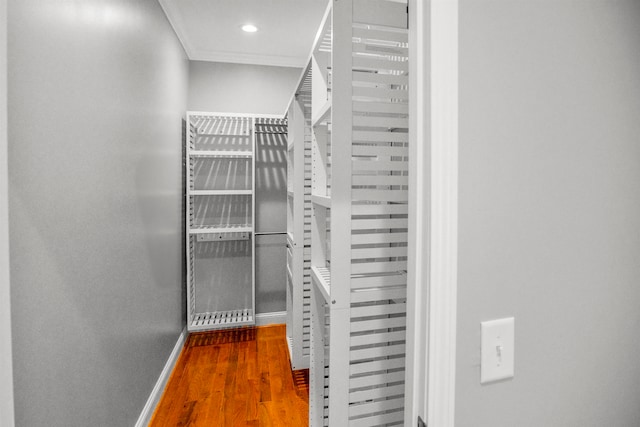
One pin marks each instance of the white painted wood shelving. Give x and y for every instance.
(220, 191)
(359, 151)
(220, 207)
(220, 185)
(299, 225)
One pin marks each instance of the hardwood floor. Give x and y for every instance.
(238, 377)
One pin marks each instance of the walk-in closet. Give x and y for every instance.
(276, 196)
(324, 213)
(345, 135)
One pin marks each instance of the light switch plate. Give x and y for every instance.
(497, 350)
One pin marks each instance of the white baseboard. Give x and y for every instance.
(156, 393)
(273, 318)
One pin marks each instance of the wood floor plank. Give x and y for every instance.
(242, 384)
(253, 400)
(238, 377)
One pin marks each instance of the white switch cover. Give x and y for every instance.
(497, 348)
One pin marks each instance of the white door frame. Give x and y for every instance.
(6, 371)
(432, 275)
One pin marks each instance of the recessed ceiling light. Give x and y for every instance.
(249, 28)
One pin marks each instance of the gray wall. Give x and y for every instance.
(550, 209)
(271, 216)
(256, 89)
(240, 88)
(97, 91)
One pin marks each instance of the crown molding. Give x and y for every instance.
(174, 17)
(172, 11)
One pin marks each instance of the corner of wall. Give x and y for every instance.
(6, 368)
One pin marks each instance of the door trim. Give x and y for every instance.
(431, 322)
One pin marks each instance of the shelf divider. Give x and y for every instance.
(322, 279)
(324, 201)
(221, 192)
(323, 114)
(222, 154)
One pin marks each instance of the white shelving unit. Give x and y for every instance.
(299, 225)
(220, 191)
(220, 221)
(359, 151)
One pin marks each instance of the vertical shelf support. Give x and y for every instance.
(299, 225)
(359, 227)
(340, 257)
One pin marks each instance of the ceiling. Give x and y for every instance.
(210, 29)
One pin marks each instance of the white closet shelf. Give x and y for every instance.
(323, 201)
(220, 192)
(240, 135)
(322, 279)
(221, 154)
(222, 319)
(290, 345)
(232, 228)
(323, 114)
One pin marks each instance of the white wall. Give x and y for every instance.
(550, 209)
(97, 92)
(240, 88)
(6, 375)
